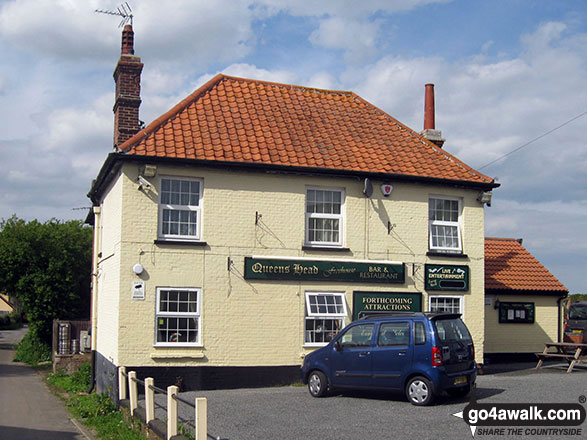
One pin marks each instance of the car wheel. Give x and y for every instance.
(317, 383)
(459, 392)
(419, 391)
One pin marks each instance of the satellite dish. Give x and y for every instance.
(368, 187)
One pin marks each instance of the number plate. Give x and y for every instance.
(460, 380)
(578, 331)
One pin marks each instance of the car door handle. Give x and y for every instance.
(364, 353)
(402, 353)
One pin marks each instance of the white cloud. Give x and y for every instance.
(62, 28)
(323, 80)
(70, 128)
(342, 8)
(187, 31)
(249, 71)
(357, 38)
(550, 227)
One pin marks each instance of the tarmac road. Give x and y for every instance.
(28, 410)
(290, 413)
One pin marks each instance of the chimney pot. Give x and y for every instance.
(429, 123)
(430, 132)
(128, 37)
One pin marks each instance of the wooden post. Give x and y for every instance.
(201, 430)
(133, 392)
(121, 383)
(171, 411)
(149, 400)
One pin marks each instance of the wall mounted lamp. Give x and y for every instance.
(485, 198)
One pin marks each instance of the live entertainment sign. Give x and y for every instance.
(446, 277)
(322, 270)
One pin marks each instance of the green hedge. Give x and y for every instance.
(32, 351)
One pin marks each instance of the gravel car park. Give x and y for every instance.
(291, 413)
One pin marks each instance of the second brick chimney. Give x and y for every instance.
(430, 131)
(127, 100)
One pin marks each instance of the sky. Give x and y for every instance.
(507, 74)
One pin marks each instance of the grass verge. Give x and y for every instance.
(95, 410)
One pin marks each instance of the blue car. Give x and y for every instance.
(421, 354)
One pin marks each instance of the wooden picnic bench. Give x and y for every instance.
(572, 353)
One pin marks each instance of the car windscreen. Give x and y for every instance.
(578, 311)
(452, 330)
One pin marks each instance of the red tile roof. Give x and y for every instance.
(508, 265)
(247, 121)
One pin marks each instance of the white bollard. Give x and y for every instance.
(121, 383)
(171, 411)
(149, 400)
(201, 431)
(133, 390)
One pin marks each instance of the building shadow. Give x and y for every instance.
(16, 433)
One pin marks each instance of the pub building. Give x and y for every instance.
(246, 226)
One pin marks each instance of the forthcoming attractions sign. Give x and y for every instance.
(322, 270)
(371, 303)
(446, 277)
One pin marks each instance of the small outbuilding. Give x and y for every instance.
(522, 301)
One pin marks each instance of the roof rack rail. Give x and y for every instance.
(375, 315)
(431, 315)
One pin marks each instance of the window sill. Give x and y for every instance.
(315, 345)
(182, 242)
(177, 356)
(445, 254)
(325, 248)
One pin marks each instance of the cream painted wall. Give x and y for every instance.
(522, 338)
(248, 323)
(107, 273)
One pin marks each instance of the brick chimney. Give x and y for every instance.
(127, 100)
(430, 131)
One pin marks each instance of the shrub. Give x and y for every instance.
(31, 350)
(82, 378)
(10, 322)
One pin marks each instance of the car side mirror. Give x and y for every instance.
(338, 346)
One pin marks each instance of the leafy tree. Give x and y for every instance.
(46, 266)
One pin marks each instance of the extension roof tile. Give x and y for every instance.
(240, 120)
(509, 266)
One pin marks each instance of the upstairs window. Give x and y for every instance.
(444, 220)
(180, 209)
(324, 217)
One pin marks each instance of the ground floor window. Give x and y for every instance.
(178, 316)
(446, 303)
(325, 316)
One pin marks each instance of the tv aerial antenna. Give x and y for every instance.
(123, 11)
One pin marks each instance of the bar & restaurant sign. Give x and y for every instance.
(322, 270)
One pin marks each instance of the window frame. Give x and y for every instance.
(340, 217)
(460, 298)
(196, 208)
(457, 224)
(352, 330)
(384, 325)
(308, 315)
(197, 315)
